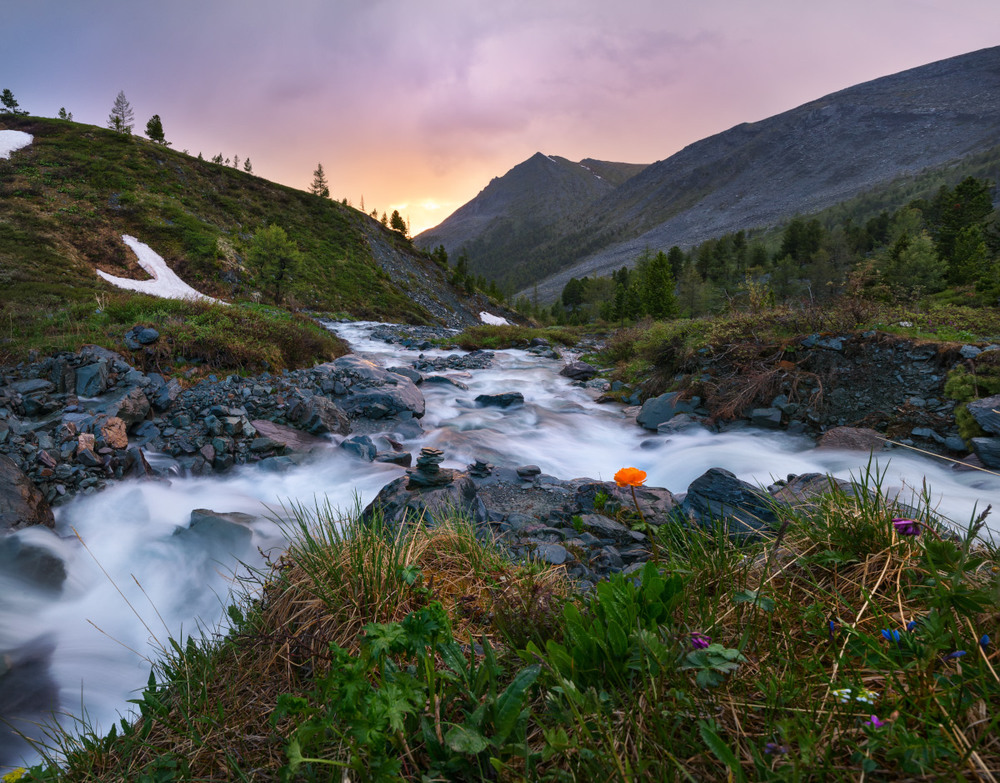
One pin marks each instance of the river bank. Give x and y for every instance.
(347, 429)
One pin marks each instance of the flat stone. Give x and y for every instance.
(504, 400)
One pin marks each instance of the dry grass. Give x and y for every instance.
(335, 579)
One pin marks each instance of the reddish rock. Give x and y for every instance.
(115, 433)
(21, 504)
(851, 439)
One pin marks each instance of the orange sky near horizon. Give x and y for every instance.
(417, 110)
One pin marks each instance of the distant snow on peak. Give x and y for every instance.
(493, 320)
(13, 140)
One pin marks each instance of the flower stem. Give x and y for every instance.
(649, 529)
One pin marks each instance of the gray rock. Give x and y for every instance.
(407, 372)
(984, 411)
(766, 418)
(851, 439)
(220, 531)
(988, 451)
(31, 386)
(553, 554)
(503, 400)
(293, 440)
(395, 504)
(371, 391)
(717, 496)
(528, 472)
(32, 563)
(682, 422)
(92, 379)
(657, 410)
(578, 371)
(361, 446)
(321, 416)
(955, 444)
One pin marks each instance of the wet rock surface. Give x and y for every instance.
(589, 527)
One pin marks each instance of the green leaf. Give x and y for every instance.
(617, 641)
(462, 739)
(754, 597)
(509, 702)
(721, 750)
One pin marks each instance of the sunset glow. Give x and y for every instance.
(425, 108)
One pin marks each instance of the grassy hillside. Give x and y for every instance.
(66, 200)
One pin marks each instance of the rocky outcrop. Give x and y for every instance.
(589, 527)
(21, 504)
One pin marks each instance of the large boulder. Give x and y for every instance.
(363, 389)
(293, 440)
(21, 504)
(395, 504)
(717, 496)
(320, 416)
(131, 406)
(657, 410)
(985, 413)
(578, 371)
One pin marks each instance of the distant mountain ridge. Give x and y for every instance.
(526, 207)
(755, 174)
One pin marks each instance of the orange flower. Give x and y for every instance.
(630, 477)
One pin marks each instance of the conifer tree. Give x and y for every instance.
(319, 186)
(10, 105)
(65, 115)
(396, 222)
(247, 167)
(121, 118)
(154, 130)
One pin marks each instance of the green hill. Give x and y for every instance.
(67, 199)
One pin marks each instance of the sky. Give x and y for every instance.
(416, 106)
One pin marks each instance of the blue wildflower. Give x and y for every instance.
(890, 636)
(984, 642)
(911, 626)
(956, 654)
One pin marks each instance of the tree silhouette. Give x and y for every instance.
(319, 185)
(121, 118)
(10, 104)
(154, 130)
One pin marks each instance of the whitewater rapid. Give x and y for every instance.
(138, 575)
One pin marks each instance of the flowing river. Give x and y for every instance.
(139, 575)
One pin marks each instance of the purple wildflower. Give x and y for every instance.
(774, 749)
(699, 640)
(906, 527)
(874, 722)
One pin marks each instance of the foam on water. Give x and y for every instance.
(133, 582)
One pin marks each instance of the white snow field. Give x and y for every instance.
(11, 141)
(164, 284)
(493, 320)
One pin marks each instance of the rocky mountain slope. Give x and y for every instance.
(760, 174)
(526, 207)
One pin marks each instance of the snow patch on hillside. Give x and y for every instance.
(165, 284)
(493, 320)
(11, 141)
